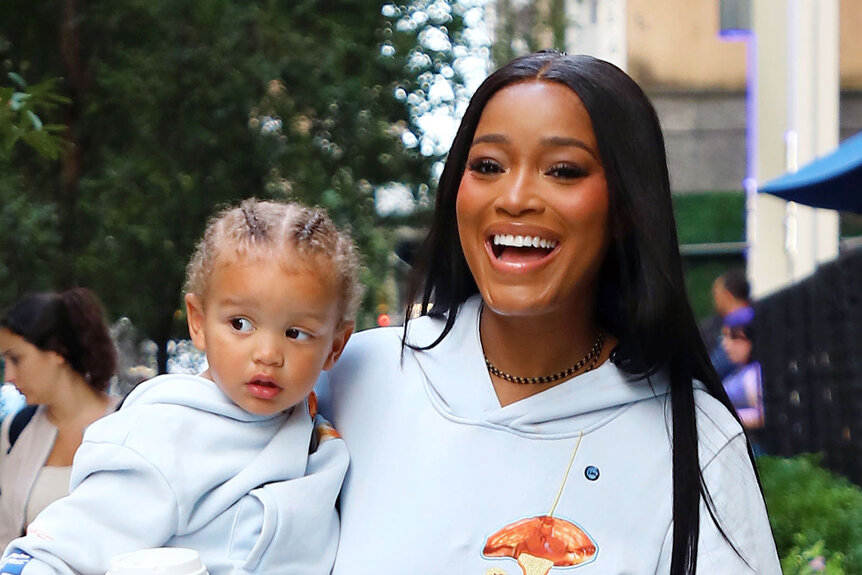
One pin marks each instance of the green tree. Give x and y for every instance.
(26, 224)
(20, 106)
(177, 108)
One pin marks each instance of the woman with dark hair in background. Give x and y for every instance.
(743, 385)
(553, 403)
(59, 354)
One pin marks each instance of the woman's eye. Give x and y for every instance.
(485, 166)
(566, 171)
(241, 324)
(298, 334)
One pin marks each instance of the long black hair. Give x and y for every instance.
(641, 296)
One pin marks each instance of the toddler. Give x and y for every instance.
(233, 463)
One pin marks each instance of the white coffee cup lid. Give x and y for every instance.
(160, 561)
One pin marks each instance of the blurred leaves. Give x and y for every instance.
(806, 558)
(816, 516)
(175, 109)
(20, 106)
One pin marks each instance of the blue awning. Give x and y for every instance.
(833, 181)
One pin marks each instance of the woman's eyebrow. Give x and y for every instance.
(490, 139)
(550, 141)
(566, 141)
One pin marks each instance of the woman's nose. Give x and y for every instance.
(519, 192)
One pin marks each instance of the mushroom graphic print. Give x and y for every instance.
(540, 543)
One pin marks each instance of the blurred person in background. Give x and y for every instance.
(743, 383)
(731, 299)
(59, 354)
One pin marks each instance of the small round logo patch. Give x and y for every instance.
(591, 472)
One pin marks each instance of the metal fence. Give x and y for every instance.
(808, 338)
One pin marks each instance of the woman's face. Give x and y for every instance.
(532, 206)
(736, 345)
(33, 371)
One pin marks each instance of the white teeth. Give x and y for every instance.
(523, 241)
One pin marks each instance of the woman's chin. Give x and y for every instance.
(520, 303)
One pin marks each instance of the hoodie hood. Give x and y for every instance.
(190, 391)
(584, 403)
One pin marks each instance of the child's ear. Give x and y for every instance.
(339, 340)
(195, 316)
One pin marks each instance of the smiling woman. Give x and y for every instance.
(554, 387)
(533, 174)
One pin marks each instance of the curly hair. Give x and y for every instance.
(71, 324)
(272, 226)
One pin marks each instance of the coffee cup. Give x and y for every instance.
(160, 561)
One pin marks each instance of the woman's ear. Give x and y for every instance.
(195, 316)
(56, 358)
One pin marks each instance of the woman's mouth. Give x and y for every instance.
(519, 249)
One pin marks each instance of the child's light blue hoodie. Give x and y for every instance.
(180, 465)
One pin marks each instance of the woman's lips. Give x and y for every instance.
(519, 252)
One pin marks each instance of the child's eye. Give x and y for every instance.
(297, 334)
(241, 324)
(485, 167)
(566, 171)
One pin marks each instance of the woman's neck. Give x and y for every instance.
(537, 346)
(75, 403)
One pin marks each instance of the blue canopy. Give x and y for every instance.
(833, 181)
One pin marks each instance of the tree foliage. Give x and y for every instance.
(20, 106)
(816, 516)
(175, 109)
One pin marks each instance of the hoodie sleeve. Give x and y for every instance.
(741, 512)
(292, 526)
(119, 502)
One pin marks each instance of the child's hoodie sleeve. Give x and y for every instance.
(119, 502)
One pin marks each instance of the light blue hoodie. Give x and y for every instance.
(180, 465)
(441, 472)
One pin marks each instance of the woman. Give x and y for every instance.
(59, 354)
(743, 384)
(556, 406)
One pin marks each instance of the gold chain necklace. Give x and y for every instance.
(592, 358)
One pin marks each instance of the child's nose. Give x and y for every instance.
(268, 352)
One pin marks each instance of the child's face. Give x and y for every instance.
(267, 331)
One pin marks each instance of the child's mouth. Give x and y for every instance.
(263, 388)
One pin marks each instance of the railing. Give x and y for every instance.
(808, 338)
